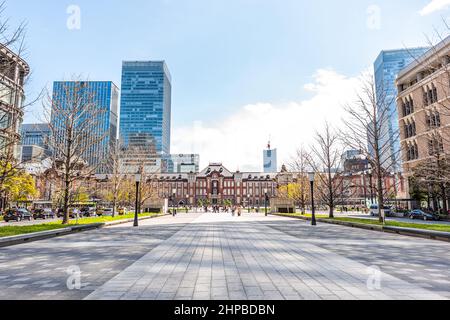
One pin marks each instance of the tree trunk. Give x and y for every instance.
(114, 206)
(380, 197)
(66, 201)
(444, 199)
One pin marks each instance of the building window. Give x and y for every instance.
(433, 119)
(408, 107)
(435, 145)
(410, 129)
(430, 95)
(412, 151)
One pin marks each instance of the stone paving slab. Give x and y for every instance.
(224, 257)
(38, 270)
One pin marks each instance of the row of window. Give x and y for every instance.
(430, 96)
(435, 146)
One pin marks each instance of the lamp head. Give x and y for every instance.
(138, 177)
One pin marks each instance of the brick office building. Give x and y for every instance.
(424, 108)
(216, 184)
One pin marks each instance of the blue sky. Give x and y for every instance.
(223, 54)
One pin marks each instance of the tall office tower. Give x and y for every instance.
(181, 163)
(103, 95)
(387, 66)
(270, 160)
(145, 109)
(34, 141)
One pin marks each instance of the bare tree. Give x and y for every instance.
(75, 119)
(299, 165)
(116, 177)
(325, 159)
(366, 129)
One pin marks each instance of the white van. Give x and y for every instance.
(374, 211)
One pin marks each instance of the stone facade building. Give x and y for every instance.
(424, 108)
(216, 184)
(13, 71)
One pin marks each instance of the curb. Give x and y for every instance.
(37, 236)
(412, 232)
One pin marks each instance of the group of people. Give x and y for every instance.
(217, 209)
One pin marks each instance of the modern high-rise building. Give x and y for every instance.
(181, 163)
(387, 66)
(145, 110)
(34, 141)
(36, 134)
(105, 96)
(270, 160)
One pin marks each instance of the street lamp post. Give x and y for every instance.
(136, 211)
(266, 199)
(248, 202)
(371, 187)
(174, 194)
(311, 180)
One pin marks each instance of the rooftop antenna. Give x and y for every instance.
(268, 144)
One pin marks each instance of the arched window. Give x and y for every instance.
(412, 151)
(433, 119)
(434, 94)
(435, 145)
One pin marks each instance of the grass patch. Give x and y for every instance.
(91, 220)
(12, 230)
(9, 231)
(422, 226)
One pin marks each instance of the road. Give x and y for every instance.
(216, 256)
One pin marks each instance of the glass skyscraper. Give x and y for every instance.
(270, 160)
(105, 96)
(145, 108)
(35, 134)
(387, 66)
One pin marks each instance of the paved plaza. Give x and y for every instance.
(217, 256)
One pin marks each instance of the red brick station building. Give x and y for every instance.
(217, 184)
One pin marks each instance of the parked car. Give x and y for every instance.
(108, 211)
(17, 215)
(374, 211)
(87, 211)
(60, 213)
(420, 214)
(43, 214)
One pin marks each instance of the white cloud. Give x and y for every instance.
(435, 5)
(238, 140)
